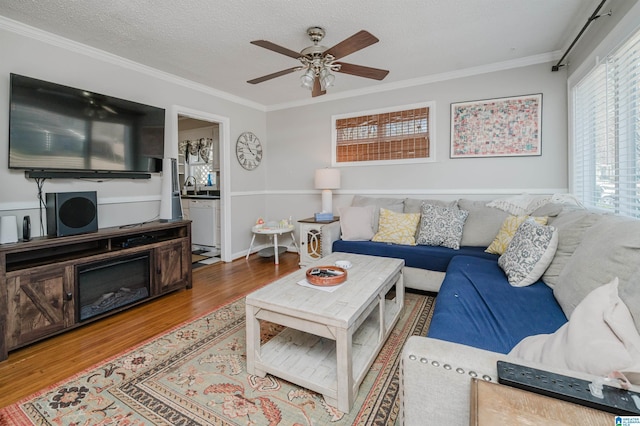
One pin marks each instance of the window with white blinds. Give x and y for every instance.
(606, 127)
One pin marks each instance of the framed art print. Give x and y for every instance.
(501, 127)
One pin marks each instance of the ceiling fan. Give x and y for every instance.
(319, 61)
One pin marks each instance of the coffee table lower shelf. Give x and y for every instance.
(310, 360)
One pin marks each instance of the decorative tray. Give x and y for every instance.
(326, 276)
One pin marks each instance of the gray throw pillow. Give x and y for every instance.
(393, 204)
(483, 223)
(441, 226)
(571, 226)
(609, 249)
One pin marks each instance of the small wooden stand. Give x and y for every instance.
(496, 404)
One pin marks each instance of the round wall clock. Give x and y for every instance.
(249, 150)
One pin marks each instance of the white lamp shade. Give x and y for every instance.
(327, 178)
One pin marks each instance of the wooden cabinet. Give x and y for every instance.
(40, 278)
(173, 266)
(38, 304)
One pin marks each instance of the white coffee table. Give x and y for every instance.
(332, 338)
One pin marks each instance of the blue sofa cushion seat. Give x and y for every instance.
(476, 306)
(434, 258)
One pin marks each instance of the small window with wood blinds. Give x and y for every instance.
(396, 136)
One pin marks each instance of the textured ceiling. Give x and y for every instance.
(207, 41)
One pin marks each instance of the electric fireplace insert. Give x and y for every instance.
(109, 285)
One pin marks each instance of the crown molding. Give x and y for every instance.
(55, 40)
(429, 79)
(58, 41)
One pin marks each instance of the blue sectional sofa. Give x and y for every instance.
(433, 258)
(480, 318)
(476, 306)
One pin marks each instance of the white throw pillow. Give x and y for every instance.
(356, 223)
(529, 253)
(599, 338)
(520, 205)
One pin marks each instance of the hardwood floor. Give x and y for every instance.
(30, 369)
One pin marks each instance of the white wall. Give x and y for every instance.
(296, 140)
(300, 142)
(29, 52)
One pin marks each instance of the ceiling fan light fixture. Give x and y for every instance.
(307, 79)
(319, 63)
(326, 78)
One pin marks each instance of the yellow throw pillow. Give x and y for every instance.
(397, 228)
(507, 231)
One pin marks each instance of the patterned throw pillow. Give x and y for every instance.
(507, 231)
(529, 254)
(441, 226)
(397, 228)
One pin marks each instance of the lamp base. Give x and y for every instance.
(327, 196)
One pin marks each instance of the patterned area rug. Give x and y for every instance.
(195, 375)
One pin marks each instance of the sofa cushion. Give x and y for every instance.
(551, 210)
(393, 204)
(599, 338)
(610, 248)
(397, 228)
(529, 253)
(356, 223)
(482, 224)
(424, 257)
(477, 307)
(414, 205)
(441, 226)
(507, 231)
(571, 226)
(630, 294)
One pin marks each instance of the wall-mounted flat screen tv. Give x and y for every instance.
(59, 128)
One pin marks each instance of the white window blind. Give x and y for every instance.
(606, 125)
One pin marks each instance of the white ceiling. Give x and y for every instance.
(207, 41)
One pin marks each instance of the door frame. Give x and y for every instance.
(171, 146)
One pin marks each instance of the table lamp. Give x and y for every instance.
(327, 179)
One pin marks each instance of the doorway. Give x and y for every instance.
(200, 142)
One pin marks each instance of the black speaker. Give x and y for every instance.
(26, 228)
(71, 213)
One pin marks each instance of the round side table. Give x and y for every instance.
(272, 231)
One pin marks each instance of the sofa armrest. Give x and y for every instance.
(435, 379)
(330, 233)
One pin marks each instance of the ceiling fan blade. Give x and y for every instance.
(358, 41)
(109, 109)
(317, 89)
(362, 71)
(278, 49)
(273, 75)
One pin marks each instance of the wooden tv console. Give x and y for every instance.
(39, 277)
